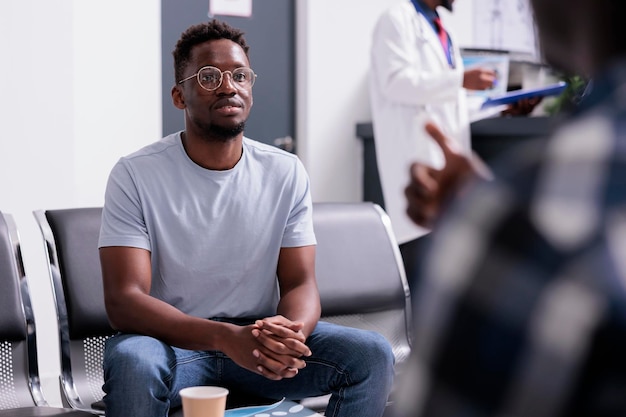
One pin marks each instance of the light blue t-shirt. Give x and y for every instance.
(214, 236)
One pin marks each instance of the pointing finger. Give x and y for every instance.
(441, 139)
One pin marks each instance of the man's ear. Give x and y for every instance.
(177, 97)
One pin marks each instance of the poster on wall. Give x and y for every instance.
(505, 25)
(241, 8)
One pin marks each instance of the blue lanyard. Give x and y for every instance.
(430, 16)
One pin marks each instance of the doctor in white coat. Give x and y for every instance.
(416, 75)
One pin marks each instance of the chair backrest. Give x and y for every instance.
(71, 245)
(360, 273)
(19, 377)
(361, 277)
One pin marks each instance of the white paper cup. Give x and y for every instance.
(204, 401)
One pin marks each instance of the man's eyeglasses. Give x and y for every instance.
(210, 78)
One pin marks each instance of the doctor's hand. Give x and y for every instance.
(429, 189)
(479, 79)
(522, 107)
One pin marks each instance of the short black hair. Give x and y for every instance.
(200, 33)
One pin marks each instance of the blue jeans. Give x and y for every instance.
(143, 375)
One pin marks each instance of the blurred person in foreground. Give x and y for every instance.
(522, 310)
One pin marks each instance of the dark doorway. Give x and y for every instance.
(270, 32)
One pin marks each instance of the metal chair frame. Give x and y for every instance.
(21, 394)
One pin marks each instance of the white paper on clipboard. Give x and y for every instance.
(241, 8)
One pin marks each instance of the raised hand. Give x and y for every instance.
(429, 188)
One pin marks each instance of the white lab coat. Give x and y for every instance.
(410, 83)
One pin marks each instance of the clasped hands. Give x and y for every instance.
(273, 347)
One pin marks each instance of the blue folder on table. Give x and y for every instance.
(516, 95)
(280, 408)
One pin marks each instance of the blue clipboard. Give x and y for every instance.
(516, 95)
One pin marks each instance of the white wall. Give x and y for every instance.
(80, 82)
(333, 58)
(80, 85)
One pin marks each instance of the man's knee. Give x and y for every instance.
(380, 348)
(136, 356)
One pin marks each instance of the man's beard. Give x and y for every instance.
(447, 4)
(224, 134)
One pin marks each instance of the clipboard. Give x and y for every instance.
(516, 95)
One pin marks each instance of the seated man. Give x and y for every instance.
(522, 311)
(208, 260)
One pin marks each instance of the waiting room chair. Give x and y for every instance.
(71, 246)
(20, 387)
(360, 276)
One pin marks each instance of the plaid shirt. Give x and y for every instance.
(522, 308)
